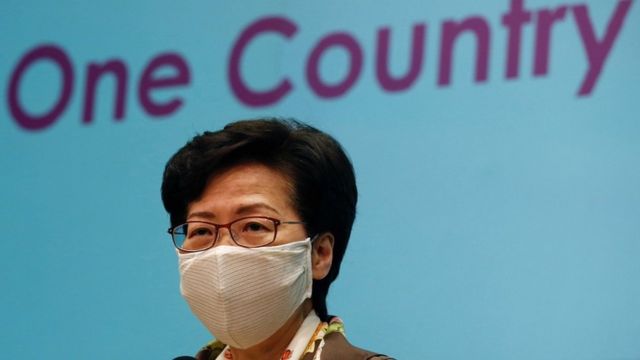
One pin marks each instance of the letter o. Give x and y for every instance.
(58, 56)
(280, 25)
(313, 74)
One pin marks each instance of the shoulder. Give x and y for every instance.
(337, 347)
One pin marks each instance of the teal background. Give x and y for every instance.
(496, 220)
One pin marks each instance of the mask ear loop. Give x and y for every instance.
(314, 238)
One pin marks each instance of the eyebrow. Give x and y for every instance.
(242, 210)
(245, 209)
(202, 214)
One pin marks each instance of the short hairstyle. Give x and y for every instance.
(321, 175)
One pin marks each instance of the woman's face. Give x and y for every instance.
(249, 189)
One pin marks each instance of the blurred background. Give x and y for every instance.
(496, 146)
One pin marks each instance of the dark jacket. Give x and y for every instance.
(336, 347)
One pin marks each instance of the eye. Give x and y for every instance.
(254, 226)
(199, 230)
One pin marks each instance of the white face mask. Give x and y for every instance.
(243, 295)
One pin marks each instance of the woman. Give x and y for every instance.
(261, 214)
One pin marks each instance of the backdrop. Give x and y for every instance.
(496, 147)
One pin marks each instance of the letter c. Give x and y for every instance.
(33, 122)
(249, 97)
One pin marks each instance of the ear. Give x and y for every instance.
(322, 255)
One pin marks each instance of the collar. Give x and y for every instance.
(303, 339)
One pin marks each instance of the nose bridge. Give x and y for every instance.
(224, 236)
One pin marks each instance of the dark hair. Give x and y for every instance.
(323, 180)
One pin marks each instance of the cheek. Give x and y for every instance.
(290, 235)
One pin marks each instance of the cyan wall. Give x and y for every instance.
(499, 211)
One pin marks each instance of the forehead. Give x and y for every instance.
(246, 188)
